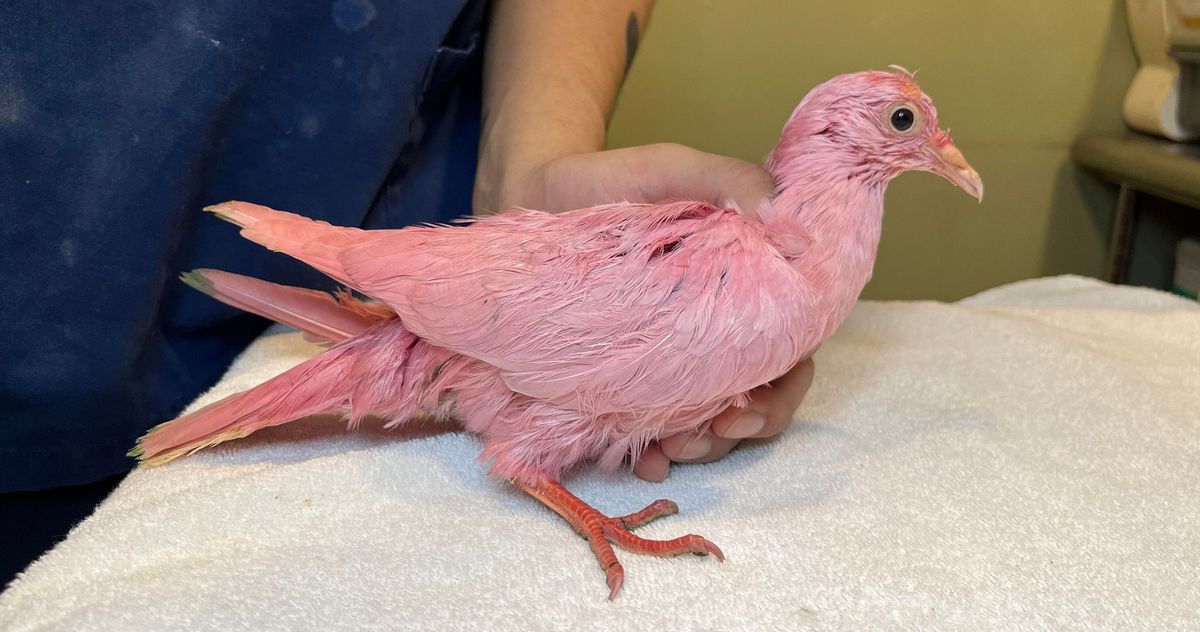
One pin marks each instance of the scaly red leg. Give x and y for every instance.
(660, 508)
(601, 530)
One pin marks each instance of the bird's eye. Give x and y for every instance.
(902, 119)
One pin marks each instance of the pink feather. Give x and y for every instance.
(323, 319)
(564, 338)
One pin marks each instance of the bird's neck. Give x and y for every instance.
(826, 218)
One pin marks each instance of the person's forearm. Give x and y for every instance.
(551, 76)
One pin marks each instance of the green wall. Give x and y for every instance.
(1017, 81)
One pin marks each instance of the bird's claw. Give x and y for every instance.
(616, 531)
(602, 532)
(615, 577)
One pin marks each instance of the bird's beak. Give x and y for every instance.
(951, 165)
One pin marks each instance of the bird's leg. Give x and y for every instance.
(601, 530)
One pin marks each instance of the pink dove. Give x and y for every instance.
(567, 338)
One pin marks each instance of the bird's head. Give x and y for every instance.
(874, 125)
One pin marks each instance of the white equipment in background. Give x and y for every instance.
(1164, 98)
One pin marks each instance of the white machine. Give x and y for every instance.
(1164, 98)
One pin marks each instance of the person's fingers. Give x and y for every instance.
(648, 173)
(771, 407)
(739, 423)
(718, 447)
(769, 413)
(747, 186)
(686, 446)
(652, 465)
(783, 398)
(684, 173)
(696, 447)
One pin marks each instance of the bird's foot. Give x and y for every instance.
(602, 531)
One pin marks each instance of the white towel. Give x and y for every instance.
(1028, 458)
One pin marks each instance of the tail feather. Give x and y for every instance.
(314, 387)
(314, 242)
(324, 319)
(386, 370)
(378, 365)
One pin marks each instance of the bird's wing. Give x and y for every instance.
(604, 309)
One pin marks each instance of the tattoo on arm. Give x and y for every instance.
(631, 40)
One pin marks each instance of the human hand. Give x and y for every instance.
(769, 413)
(649, 173)
(652, 173)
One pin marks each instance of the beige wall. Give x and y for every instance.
(1016, 80)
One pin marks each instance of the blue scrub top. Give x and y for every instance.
(120, 120)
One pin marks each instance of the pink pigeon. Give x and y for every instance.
(561, 339)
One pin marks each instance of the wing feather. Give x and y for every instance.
(607, 309)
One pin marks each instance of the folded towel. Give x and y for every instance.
(1026, 458)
